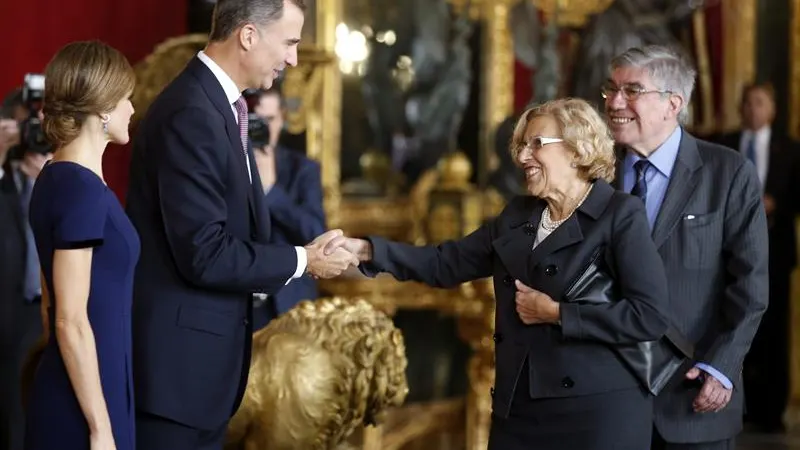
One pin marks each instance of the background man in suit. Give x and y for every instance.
(704, 205)
(204, 235)
(20, 287)
(293, 193)
(766, 370)
(12, 300)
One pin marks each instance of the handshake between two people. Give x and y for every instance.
(332, 253)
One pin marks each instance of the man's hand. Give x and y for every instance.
(713, 395)
(359, 247)
(9, 136)
(322, 264)
(265, 160)
(535, 307)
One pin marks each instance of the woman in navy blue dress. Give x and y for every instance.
(81, 396)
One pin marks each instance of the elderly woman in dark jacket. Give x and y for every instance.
(559, 383)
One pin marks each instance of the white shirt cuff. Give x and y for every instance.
(302, 262)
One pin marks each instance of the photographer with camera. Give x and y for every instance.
(23, 153)
(292, 192)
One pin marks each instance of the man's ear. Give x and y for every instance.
(248, 36)
(675, 104)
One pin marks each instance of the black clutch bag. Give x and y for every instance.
(652, 362)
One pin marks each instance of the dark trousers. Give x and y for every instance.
(766, 367)
(660, 444)
(20, 331)
(158, 433)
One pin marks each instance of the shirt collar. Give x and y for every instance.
(663, 158)
(762, 133)
(231, 90)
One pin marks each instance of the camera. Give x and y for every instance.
(258, 131)
(257, 128)
(32, 138)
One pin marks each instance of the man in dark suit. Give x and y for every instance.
(12, 303)
(293, 194)
(766, 371)
(193, 198)
(704, 205)
(20, 286)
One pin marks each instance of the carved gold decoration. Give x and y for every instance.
(572, 13)
(301, 86)
(707, 123)
(497, 98)
(739, 54)
(325, 125)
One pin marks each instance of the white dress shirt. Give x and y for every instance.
(232, 93)
(763, 137)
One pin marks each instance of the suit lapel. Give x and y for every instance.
(515, 248)
(774, 162)
(567, 234)
(682, 183)
(217, 96)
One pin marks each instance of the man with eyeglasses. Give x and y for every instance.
(704, 206)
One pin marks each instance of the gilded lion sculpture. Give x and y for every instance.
(318, 373)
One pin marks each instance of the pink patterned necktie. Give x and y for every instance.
(241, 110)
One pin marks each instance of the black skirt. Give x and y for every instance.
(616, 420)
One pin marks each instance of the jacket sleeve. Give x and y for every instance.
(746, 259)
(640, 314)
(445, 265)
(191, 179)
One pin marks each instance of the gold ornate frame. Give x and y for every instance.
(794, 130)
(739, 56)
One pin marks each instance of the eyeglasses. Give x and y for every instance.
(629, 91)
(537, 142)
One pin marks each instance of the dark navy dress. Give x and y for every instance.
(72, 208)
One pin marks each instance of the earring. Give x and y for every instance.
(106, 119)
(573, 165)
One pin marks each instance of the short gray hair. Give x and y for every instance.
(669, 67)
(229, 15)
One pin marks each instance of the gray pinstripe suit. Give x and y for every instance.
(711, 232)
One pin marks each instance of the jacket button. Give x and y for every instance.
(497, 337)
(491, 392)
(551, 270)
(508, 280)
(567, 382)
(530, 229)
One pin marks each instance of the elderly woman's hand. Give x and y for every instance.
(535, 307)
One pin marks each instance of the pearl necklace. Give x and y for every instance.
(549, 225)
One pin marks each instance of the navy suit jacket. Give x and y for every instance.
(204, 241)
(297, 216)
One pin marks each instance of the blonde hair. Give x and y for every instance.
(317, 373)
(583, 130)
(83, 79)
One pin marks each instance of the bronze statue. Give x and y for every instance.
(317, 373)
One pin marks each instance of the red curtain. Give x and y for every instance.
(38, 28)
